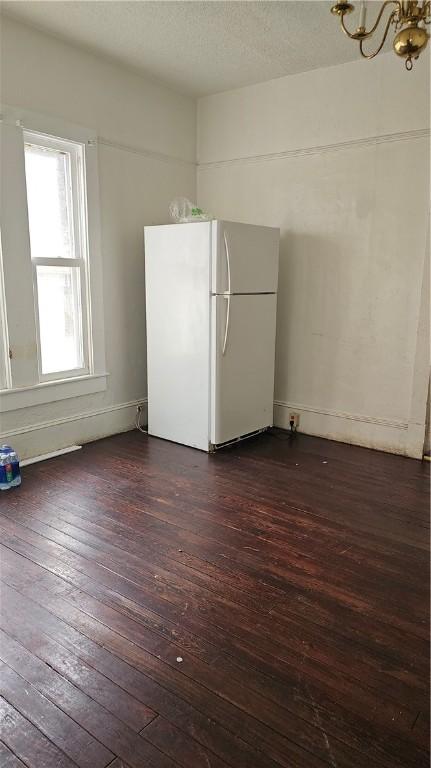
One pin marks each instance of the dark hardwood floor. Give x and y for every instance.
(266, 606)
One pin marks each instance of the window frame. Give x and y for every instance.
(21, 385)
(5, 372)
(77, 202)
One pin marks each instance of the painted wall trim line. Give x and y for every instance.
(369, 141)
(152, 154)
(74, 417)
(341, 415)
(41, 123)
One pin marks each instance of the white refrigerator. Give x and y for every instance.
(211, 295)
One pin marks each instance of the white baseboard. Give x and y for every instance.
(368, 431)
(52, 455)
(44, 437)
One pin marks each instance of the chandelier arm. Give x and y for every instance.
(353, 35)
(371, 55)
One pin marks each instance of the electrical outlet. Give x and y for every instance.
(140, 407)
(294, 417)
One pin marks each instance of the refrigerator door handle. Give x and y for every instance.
(226, 249)
(227, 294)
(226, 329)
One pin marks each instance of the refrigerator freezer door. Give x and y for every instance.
(177, 277)
(244, 258)
(242, 386)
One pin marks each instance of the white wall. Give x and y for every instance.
(146, 157)
(338, 158)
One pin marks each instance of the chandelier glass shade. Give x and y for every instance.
(407, 19)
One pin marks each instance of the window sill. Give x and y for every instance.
(51, 391)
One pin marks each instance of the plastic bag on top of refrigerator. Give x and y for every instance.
(182, 211)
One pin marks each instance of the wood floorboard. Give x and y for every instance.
(184, 514)
(277, 575)
(8, 759)
(28, 743)
(252, 593)
(116, 543)
(263, 607)
(129, 677)
(87, 713)
(116, 565)
(94, 608)
(298, 548)
(339, 725)
(66, 734)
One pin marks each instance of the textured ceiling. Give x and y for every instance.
(199, 47)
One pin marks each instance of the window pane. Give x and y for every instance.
(49, 202)
(59, 300)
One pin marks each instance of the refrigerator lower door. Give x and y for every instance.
(242, 364)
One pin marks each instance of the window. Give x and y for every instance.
(57, 229)
(51, 304)
(4, 344)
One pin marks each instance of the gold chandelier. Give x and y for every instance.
(407, 18)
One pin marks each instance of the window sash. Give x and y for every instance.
(40, 154)
(61, 374)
